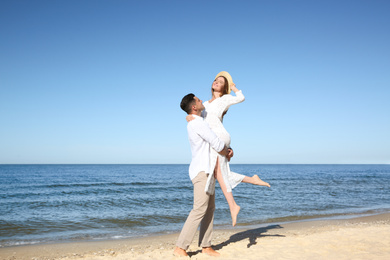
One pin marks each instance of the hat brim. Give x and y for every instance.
(228, 77)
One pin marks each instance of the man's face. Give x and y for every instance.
(198, 104)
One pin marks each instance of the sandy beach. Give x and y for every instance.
(355, 238)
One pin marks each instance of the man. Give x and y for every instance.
(201, 137)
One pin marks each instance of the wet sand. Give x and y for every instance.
(355, 238)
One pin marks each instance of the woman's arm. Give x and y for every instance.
(239, 96)
(229, 99)
(190, 118)
(233, 87)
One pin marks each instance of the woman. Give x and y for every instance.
(214, 111)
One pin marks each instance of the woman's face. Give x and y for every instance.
(219, 84)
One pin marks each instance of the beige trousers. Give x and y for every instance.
(202, 213)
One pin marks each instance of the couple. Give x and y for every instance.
(211, 153)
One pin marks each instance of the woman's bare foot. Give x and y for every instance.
(257, 181)
(234, 213)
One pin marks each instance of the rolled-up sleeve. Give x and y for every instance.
(231, 100)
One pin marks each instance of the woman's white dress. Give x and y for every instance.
(213, 116)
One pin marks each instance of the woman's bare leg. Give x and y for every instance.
(256, 181)
(234, 208)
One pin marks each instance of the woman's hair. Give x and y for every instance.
(225, 89)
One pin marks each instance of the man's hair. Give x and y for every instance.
(187, 102)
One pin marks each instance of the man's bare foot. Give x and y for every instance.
(209, 251)
(180, 252)
(234, 213)
(257, 181)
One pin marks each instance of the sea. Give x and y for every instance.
(62, 203)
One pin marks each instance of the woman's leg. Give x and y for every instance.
(256, 181)
(234, 208)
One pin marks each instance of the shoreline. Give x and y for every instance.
(221, 227)
(265, 239)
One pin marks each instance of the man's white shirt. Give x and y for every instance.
(201, 138)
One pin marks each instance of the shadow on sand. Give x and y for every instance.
(252, 235)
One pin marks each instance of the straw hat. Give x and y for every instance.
(228, 77)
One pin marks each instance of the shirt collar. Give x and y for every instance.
(196, 116)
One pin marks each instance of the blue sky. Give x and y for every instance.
(101, 81)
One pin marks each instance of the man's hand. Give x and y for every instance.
(227, 152)
(224, 152)
(230, 154)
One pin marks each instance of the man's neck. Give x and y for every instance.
(197, 113)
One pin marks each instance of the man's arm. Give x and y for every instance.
(205, 132)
